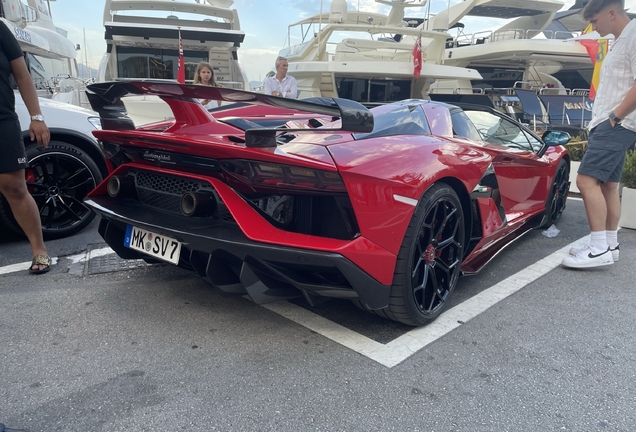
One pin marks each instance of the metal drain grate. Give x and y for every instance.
(98, 263)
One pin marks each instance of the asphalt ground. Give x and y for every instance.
(153, 348)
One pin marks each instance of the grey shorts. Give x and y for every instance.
(605, 154)
(12, 152)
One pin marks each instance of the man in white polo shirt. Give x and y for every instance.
(612, 133)
(281, 84)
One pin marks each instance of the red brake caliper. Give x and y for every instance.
(30, 178)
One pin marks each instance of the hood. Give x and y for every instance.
(58, 115)
(50, 104)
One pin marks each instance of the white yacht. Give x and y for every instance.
(367, 57)
(142, 42)
(532, 67)
(532, 49)
(49, 54)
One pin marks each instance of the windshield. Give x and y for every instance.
(43, 70)
(136, 62)
(402, 120)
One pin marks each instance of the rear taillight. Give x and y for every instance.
(268, 175)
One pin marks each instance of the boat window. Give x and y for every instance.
(463, 127)
(134, 62)
(403, 120)
(498, 130)
(43, 69)
(373, 90)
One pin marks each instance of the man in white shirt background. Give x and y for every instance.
(281, 84)
(612, 133)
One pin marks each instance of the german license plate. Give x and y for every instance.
(153, 244)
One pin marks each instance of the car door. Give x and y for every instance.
(520, 171)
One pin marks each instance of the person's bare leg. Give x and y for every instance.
(613, 205)
(25, 211)
(596, 207)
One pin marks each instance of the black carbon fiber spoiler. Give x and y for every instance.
(105, 98)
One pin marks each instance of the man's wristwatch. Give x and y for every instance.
(612, 116)
(38, 117)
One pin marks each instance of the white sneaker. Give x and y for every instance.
(588, 258)
(576, 250)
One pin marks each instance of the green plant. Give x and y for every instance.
(576, 150)
(629, 170)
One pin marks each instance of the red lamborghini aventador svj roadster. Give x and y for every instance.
(278, 198)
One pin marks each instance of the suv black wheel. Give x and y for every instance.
(58, 178)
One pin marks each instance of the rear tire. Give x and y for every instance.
(429, 260)
(59, 177)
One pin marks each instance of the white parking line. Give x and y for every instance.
(403, 347)
(23, 266)
(81, 257)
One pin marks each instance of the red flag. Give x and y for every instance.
(417, 56)
(591, 45)
(181, 72)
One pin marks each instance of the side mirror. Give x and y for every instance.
(556, 138)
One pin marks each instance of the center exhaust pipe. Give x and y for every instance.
(197, 204)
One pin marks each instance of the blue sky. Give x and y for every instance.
(264, 22)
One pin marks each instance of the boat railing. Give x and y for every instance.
(459, 90)
(30, 13)
(488, 36)
(527, 84)
(469, 90)
(510, 91)
(581, 92)
(293, 49)
(562, 90)
(571, 110)
(206, 23)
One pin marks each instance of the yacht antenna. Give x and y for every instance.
(319, 27)
(428, 15)
(85, 53)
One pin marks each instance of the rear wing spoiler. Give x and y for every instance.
(183, 99)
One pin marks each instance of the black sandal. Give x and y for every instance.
(39, 260)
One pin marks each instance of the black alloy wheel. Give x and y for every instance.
(555, 205)
(429, 261)
(58, 178)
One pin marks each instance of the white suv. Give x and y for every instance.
(60, 176)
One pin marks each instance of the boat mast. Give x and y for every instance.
(319, 28)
